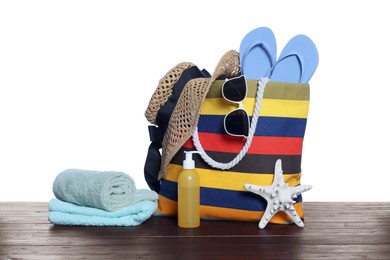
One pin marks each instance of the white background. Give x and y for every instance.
(77, 76)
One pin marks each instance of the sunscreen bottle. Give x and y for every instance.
(188, 194)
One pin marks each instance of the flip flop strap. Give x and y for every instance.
(262, 45)
(300, 60)
(225, 166)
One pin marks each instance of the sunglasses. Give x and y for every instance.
(236, 122)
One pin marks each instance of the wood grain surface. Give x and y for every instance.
(332, 231)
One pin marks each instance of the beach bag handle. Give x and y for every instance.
(226, 166)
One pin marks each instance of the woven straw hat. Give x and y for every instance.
(164, 90)
(185, 116)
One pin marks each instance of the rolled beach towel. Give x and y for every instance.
(107, 190)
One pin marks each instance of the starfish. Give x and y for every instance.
(279, 196)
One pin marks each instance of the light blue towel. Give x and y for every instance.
(106, 190)
(64, 213)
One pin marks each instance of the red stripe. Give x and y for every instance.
(260, 144)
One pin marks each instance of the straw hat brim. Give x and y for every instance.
(164, 90)
(185, 116)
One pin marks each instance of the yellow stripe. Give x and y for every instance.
(270, 107)
(166, 206)
(230, 180)
(285, 108)
(247, 215)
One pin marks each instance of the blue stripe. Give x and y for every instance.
(241, 200)
(168, 189)
(266, 126)
(232, 199)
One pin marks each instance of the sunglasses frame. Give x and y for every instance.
(240, 105)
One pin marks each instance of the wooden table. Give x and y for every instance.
(332, 231)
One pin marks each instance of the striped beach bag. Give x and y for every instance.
(280, 110)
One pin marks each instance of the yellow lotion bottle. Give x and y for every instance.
(189, 194)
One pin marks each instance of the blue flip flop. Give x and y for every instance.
(257, 53)
(297, 62)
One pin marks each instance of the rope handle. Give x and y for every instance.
(225, 166)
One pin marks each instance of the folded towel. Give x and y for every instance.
(64, 213)
(106, 190)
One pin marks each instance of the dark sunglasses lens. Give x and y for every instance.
(237, 123)
(235, 89)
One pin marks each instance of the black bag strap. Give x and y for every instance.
(153, 159)
(156, 134)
